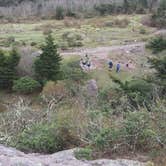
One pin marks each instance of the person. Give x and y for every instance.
(118, 67)
(110, 64)
(86, 59)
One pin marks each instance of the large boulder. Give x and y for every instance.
(13, 157)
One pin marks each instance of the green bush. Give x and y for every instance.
(72, 71)
(104, 9)
(139, 92)
(70, 13)
(157, 44)
(40, 138)
(159, 64)
(72, 39)
(46, 138)
(10, 40)
(138, 130)
(84, 153)
(33, 44)
(142, 31)
(26, 85)
(103, 139)
(132, 133)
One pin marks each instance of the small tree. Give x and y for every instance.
(47, 66)
(8, 63)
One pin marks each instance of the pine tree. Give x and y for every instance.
(126, 6)
(47, 66)
(8, 65)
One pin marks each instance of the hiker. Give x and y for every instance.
(86, 59)
(118, 67)
(110, 65)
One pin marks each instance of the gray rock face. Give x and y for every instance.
(13, 157)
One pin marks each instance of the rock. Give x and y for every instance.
(13, 157)
(92, 88)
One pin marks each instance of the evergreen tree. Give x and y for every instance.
(8, 65)
(144, 3)
(126, 6)
(47, 66)
(159, 17)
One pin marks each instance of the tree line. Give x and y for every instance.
(27, 8)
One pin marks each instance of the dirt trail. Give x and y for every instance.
(105, 50)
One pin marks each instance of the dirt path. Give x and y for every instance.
(106, 50)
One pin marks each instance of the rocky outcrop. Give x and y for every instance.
(13, 157)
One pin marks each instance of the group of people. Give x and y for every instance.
(118, 66)
(86, 64)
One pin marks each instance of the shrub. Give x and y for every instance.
(33, 44)
(104, 9)
(102, 139)
(54, 91)
(84, 153)
(139, 92)
(142, 31)
(72, 39)
(159, 64)
(46, 138)
(26, 85)
(47, 31)
(157, 44)
(59, 13)
(72, 71)
(10, 40)
(138, 130)
(40, 138)
(71, 13)
(122, 23)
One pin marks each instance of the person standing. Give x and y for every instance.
(118, 67)
(110, 65)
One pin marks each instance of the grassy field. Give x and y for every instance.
(108, 30)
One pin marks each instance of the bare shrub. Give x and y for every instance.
(47, 31)
(54, 90)
(68, 22)
(19, 115)
(28, 56)
(121, 23)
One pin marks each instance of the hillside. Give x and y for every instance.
(83, 83)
